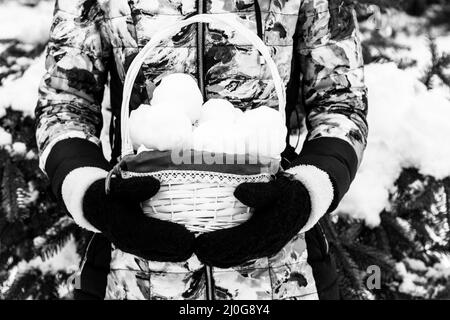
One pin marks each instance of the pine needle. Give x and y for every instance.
(12, 181)
(55, 238)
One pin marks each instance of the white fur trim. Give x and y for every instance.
(320, 189)
(73, 189)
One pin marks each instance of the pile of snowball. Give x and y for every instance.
(177, 119)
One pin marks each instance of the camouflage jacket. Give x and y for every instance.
(313, 42)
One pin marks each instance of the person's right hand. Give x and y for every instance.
(118, 215)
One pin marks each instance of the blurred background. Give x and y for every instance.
(395, 217)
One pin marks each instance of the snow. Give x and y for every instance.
(416, 265)
(418, 50)
(412, 283)
(2, 112)
(180, 92)
(408, 127)
(5, 138)
(24, 23)
(439, 271)
(420, 280)
(66, 259)
(31, 155)
(21, 94)
(411, 36)
(19, 148)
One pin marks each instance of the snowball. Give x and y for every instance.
(160, 127)
(180, 92)
(218, 109)
(263, 131)
(137, 124)
(238, 113)
(214, 136)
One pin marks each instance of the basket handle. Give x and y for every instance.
(127, 147)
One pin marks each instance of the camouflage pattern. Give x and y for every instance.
(134, 278)
(285, 275)
(317, 37)
(331, 62)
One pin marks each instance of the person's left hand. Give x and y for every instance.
(282, 208)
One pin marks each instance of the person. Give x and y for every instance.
(316, 47)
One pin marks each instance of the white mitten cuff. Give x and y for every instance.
(73, 189)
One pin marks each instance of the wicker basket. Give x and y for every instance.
(202, 201)
(197, 196)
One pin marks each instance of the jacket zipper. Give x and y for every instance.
(327, 246)
(259, 27)
(201, 81)
(200, 48)
(258, 18)
(209, 283)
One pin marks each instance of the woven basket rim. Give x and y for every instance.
(192, 176)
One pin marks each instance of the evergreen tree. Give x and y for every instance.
(408, 246)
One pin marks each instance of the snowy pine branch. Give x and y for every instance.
(55, 237)
(12, 183)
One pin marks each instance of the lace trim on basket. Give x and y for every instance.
(190, 176)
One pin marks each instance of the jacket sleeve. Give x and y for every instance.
(68, 113)
(330, 82)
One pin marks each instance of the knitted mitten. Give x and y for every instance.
(119, 217)
(282, 208)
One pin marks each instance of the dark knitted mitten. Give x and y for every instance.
(119, 217)
(282, 208)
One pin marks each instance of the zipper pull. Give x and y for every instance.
(74, 281)
(261, 59)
